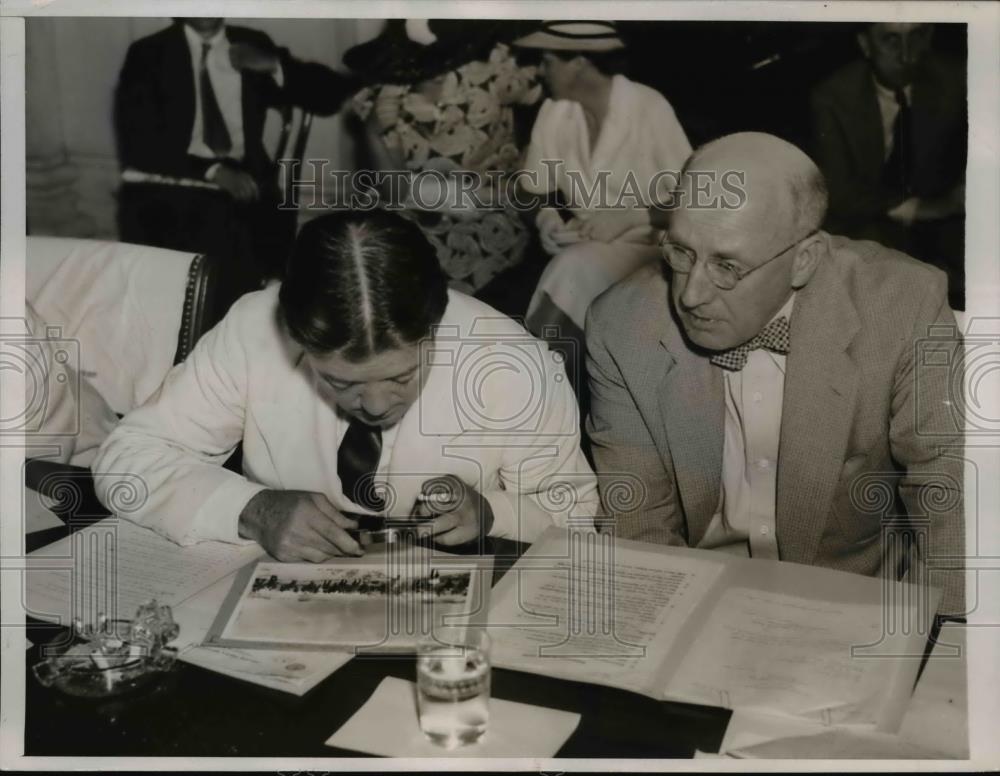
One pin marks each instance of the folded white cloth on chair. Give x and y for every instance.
(122, 302)
(65, 419)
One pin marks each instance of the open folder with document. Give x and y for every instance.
(711, 628)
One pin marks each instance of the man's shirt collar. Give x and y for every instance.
(196, 41)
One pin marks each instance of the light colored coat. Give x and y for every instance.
(495, 410)
(866, 417)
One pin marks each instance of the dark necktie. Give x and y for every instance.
(357, 460)
(897, 170)
(213, 126)
(773, 337)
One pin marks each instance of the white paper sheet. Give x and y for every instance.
(387, 725)
(38, 515)
(749, 728)
(780, 653)
(936, 720)
(938, 713)
(840, 743)
(604, 622)
(293, 672)
(114, 566)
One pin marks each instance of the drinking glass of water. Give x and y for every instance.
(453, 685)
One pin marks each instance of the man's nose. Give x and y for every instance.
(376, 401)
(699, 287)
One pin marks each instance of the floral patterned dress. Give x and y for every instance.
(470, 127)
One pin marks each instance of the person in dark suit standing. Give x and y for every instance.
(189, 113)
(890, 135)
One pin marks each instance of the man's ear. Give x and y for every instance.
(810, 253)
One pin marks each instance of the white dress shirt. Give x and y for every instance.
(888, 108)
(245, 381)
(227, 83)
(744, 521)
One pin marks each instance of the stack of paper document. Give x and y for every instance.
(711, 628)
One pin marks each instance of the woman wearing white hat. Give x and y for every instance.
(610, 136)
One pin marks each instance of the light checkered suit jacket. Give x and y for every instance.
(869, 434)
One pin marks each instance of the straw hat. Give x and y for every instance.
(573, 36)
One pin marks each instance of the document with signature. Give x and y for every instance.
(711, 628)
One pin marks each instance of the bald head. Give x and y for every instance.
(783, 186)
(749, 206)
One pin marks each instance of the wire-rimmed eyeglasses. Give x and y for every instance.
(722, 272)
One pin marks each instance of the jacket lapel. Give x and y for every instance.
(865, 128)
(692, 406)
(821, 383)
(180, 72)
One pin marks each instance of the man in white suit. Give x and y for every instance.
(362, 385)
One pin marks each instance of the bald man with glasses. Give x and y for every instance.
(767, 380)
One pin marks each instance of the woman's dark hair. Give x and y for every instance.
(610, 63)
(360, 283)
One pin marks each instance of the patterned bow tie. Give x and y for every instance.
(774, 337)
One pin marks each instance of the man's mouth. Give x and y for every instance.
(700, 320)
(371, 420)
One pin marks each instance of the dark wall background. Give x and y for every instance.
(724, 77)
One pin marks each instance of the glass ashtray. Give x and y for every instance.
(116, 657)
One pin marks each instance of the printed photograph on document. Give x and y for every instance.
(366, 604)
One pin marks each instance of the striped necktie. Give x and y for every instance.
(213, 125)
(357, 462)
(896, 172)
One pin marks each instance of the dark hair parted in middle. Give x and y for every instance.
(360, 283)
